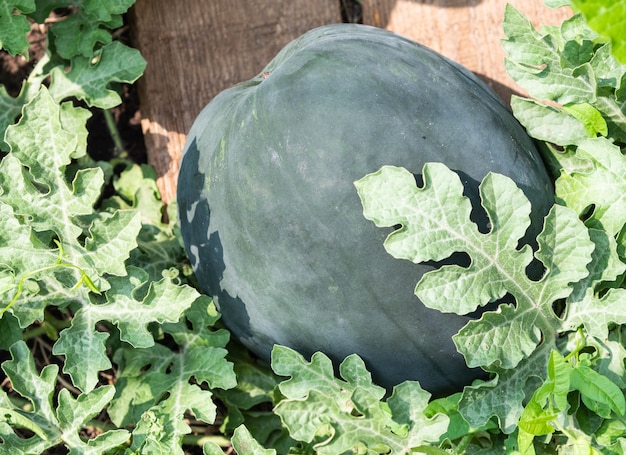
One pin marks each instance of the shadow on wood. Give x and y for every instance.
(380, 11)
(466, 31)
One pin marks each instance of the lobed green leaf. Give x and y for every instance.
(32, 177)
(539, 62)
(157, 385)
(607, 17)
(515, 340)
(81, 32)
(89, 77)
(51, 426)
(83, 346)
(14, 27)
(435, 223)
(602, 187)
(574, 70)
(337, 416)
(50, 206)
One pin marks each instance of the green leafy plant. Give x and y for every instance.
(103, 277)
(554, 329)
(82, 61)
(605, 18)
(137, 361)
(52, 242)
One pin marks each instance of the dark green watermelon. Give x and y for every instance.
(272, 222)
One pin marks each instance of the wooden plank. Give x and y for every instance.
(467, 31)
(195, 49)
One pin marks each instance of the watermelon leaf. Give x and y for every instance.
(13, 27)
(574, 69)
(435, 224)
(89, 77)
(513, 341)
(337, 415)
(535, 59)
(603, 186)
(88, 27)
(50, 426)
(157, 385)
(83, 345)
(606, 17)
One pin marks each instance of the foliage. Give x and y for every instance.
(561, 331)
(606, 17)
(102, 276)
(138, 360)
(82, 61)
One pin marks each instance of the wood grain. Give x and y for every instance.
(197, 48)
(467, 31)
